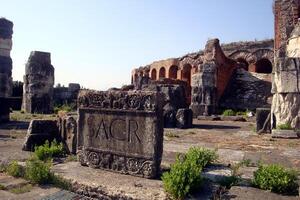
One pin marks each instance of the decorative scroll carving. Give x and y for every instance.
(143, 167)
(117, 100)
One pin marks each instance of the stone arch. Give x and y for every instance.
(263, 54)
(263, 65)
(153, 74)
(173, 72)
(244, 54)
(162, 72)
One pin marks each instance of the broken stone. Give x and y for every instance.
(263, 120)
(121, 131)
(184, 118)
(38, 84)
(68, 132)
(39, 131)
(285, 134)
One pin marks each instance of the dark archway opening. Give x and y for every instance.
(162, 72)
(153, 74)
(173, 72)
(244, 64)
(186, 73)
(263, 66)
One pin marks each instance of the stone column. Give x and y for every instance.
(286, 72)
(38, 84)
(6, 31)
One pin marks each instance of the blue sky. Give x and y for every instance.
(98, 42)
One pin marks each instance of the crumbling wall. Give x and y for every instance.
(6, 31)
(285, 87)
(66, 95)
(38, 84)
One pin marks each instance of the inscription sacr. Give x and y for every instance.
(116, 129)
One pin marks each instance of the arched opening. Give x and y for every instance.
(173, 72)
(263, 66)
(162, 72)
(244, 64)
(186, 73)
(153, 74)
(135, 77)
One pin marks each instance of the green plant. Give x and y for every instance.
(14, 169)
(229, 112)
(2, 187)
(71, 158)
(185, 174)
(64, 107)
(21, 189)
(172, 135)
(37, 171)
(285, 126)
(48, 151)
(276, 179)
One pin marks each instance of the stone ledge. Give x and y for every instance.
(108, 185)
(285, 134)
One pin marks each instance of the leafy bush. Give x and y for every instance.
(48, 151)
(14, 169)
(185, 174)
(276, 179)
(285, 126)
(229, 112)
(37, 171)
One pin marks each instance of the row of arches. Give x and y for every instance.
(174, 72)
(263, 65)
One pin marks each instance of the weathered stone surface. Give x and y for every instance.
(5, 67)
(66, 95)
(121, 131)
(68, 132)
(39, 131)
(247, 91)
(263, 120)
(38, 84)
(285, 134)
(184, 118)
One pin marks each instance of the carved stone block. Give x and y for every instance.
(121, 131)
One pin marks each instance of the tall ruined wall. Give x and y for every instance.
(286, 73)
(6, 31)
(38, 84)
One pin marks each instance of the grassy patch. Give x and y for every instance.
(185, 174)
(2, 187)
(21, 189)
(15, 170)
(171, 135)
(37, 171)
(285, 126)
(276, 179)
(21, 116)
(229, 112)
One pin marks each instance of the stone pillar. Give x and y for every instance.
(6, 31)
(38, 84)
(286, 72)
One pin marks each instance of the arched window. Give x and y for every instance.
(173, 72)
(263, 66)
(162, 72)
(153, 74)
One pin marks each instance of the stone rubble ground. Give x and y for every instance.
(234, 141)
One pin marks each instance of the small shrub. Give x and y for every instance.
(285, 126)
(37, 171)
(229, 181)
(276, 179)
(2, 187)
(47, 151)
(229, 112)
(185, 174)
(14, 169)
(241, 113)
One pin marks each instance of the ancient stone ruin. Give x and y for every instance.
(121, 131)
(38, 84)
(6, 31)
(285, 88)
(66, 95)
(221, 76)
